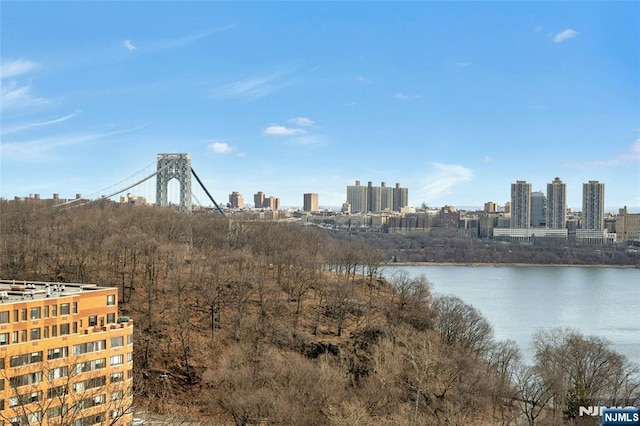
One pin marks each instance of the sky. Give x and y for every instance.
(453, 100)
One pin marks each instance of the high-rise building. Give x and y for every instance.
(272, 203)
(556, 215)
(258, 200)
(400, 197)
(310, 202)
(593, 205)
(66, 357)
(520, 205)
(374, 200)
(236, 200)
(386, 197)
(357, 197)
(538, 206)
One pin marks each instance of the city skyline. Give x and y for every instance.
(455, 100)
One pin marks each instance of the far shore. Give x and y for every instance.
(515, 264)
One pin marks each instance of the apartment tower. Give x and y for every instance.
(593, 205)
(357, 197)
(236, 200)
(310, 202)
(520, 205)
(556, 204)
(66, 357)
(538, 207)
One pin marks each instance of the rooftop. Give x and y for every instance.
(12, 291)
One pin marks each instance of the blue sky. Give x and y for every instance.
(453, 100)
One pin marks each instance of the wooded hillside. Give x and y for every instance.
(252, 323)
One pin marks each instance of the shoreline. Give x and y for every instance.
(511, 264)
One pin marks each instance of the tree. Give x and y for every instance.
(583, 370)
(461, 325)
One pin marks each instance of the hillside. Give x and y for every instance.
(248, 323)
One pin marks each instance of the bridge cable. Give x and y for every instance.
(208, 195)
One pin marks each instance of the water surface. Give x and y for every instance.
(520, 300)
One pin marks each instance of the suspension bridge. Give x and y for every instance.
(173, 185)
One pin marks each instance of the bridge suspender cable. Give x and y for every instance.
(208, 195)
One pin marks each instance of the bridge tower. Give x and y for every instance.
(172, 166)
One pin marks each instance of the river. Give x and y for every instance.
(520, 300)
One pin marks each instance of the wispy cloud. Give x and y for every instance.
(565, 35)
(157, 46)
(363, 80)
(177, 42)
(39, 150)
(17, 67)
(221, 148)
(14, 96)
(539, 28)
(302, 121)
(129, 45)
(442, 180)
(282, 131)
(463, 64)
(631, 155)
(404, 97)
(253, 88)
(487, 159)
(26, 126)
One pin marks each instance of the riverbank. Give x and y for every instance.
(514, 264)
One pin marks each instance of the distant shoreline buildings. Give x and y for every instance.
(527, 216)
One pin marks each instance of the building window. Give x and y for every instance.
(116, 342)
(16, 318)
(46, 332)
(84, 348)
(129, 339)
(93, 321)
(64, 329)
(111, 318)
(26, 379)
(56, 373)
(115, 360)
(14, 337)
(75, 307)
(64, 309)
(75, 327)
(46, 311)
(116, 377)
(111, 299)
(23, 314)
(35, 313)
(95, 364)
(54, 310)
(35, 334)
(56, 353)
(57, 411)
(23, 336)
(4, 338)
(4, 317)
(54, 330)
(24, 359)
